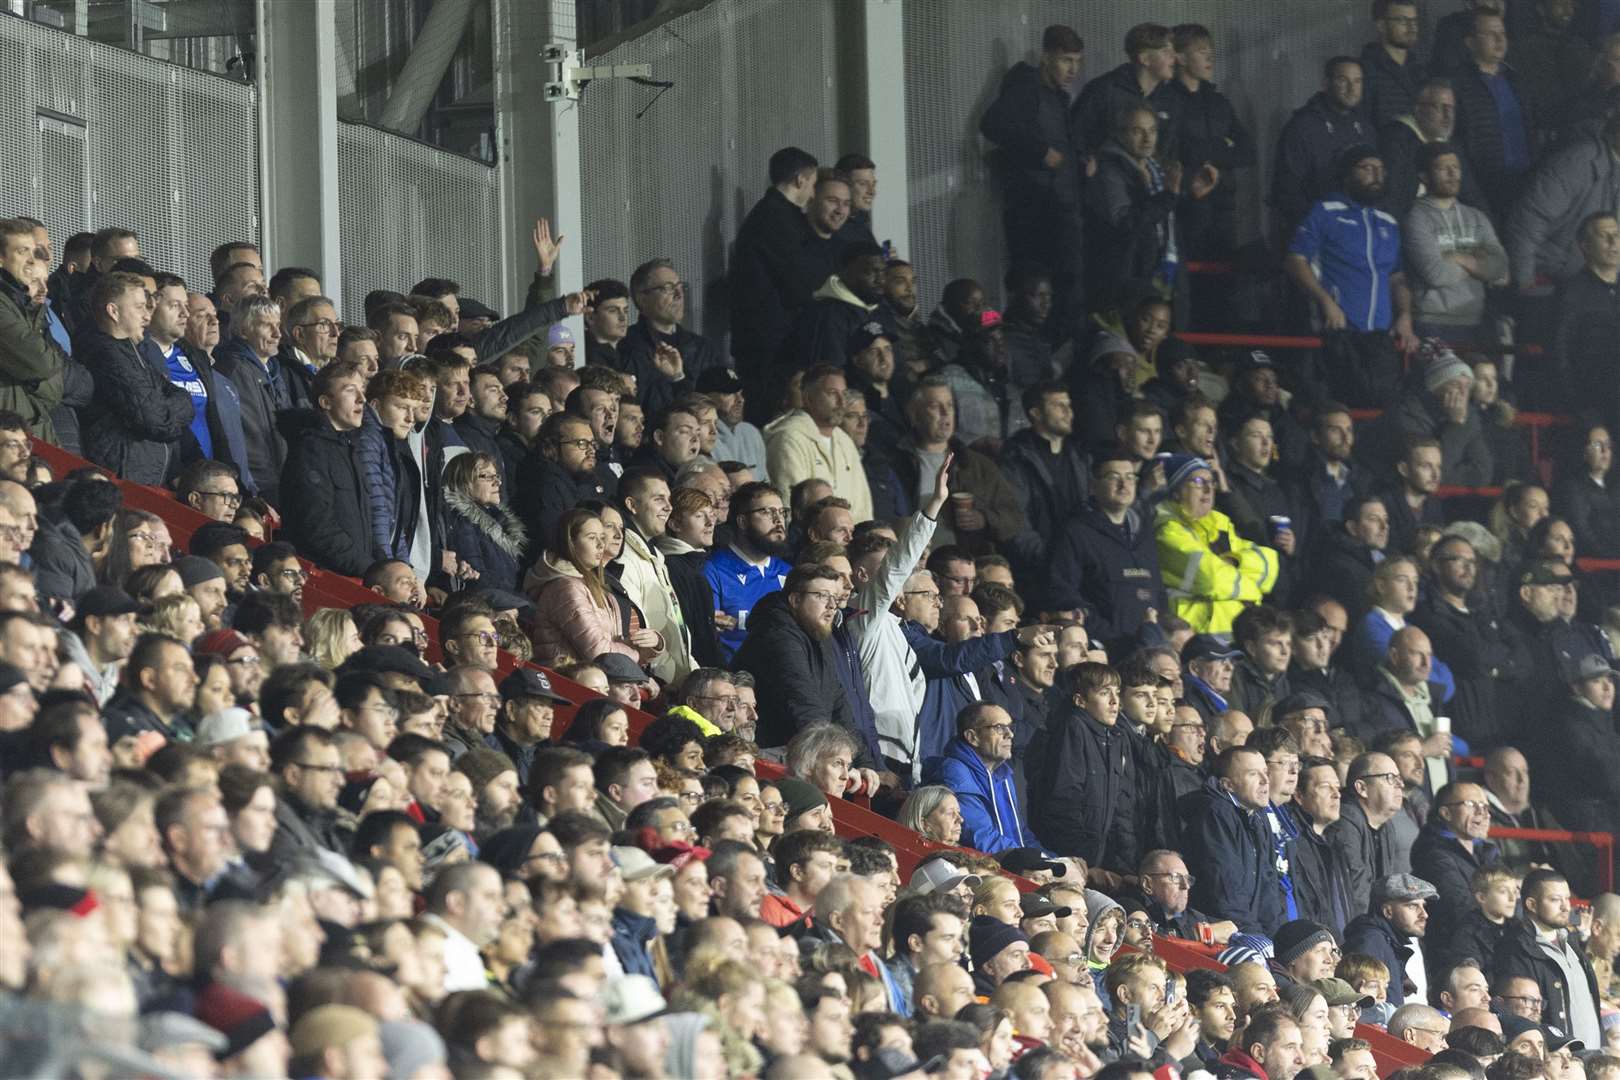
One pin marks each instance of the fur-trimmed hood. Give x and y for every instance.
(498, 523)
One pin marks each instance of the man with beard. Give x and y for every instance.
(559, 473)
(752, 566)
(735, 438)
(1432, 119)
(789, 649)
(1390, 933)
(809, 443)
(1452, 250)
(1358, 248)
(842, 303)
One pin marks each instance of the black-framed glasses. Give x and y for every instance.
(331, 326)
(577, 444)
(298, 575)
(312, 767)
(1176, 879)
(667, 289)
(1386, 777)
(1467, 804)
(775, 513)
(229, 498)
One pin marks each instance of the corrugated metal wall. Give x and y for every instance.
(1268, 60)
(411, 211)
(751, 76)
(94, 136)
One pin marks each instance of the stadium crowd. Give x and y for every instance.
(1146, 641)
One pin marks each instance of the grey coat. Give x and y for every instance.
(1582, 178)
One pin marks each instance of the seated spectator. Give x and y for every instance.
(1260, 675)
(1317, 868)
(1360, 835)
(1443, 413)
(752, 566)
(805, 863)
(1583, 497)
(810, 443)
(977, 768)
(1229, 846)
(1260, 509)
(1272, 1047)
(576, 615)
(659, 295)
(1346, 554)
(1507, 789)
(1210, 572)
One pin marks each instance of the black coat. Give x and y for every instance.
(330, 520)
(821, 334)
(1366, 853)
(1387, 711)
(1400, 146)
(266, 449)
(1052, 487)
(1372, 935)
(1577, 766)
(1519, 955)
(1254, 499)
(492, 541)
(797, 675)
(1388, 89)
(1585, 327)
(1479, 133)
(1128, 230)
(1306, 167)
(767, 277)
(1343, 694)
(1341, 567)
(1211, 134)
(696, 598)
(1318, 873)
(655, 390)
(137, 420)
(1229, 850)
(1473, 938)
(1026, 119)
(1081, 773)
(545, 493)
(1481, 651)
(1593, 513)
(1252, 692)
(1111, 571)
(1104, 98)
(1441, 860)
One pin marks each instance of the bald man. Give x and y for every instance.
(1507, 789)
(1476, 1017)
(939, 991)
(1029, 1008)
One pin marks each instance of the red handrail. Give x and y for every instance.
(1604, 842)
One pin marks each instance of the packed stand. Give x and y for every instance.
(1147, 641)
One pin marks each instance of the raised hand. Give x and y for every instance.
(545, 248)
(667, 359)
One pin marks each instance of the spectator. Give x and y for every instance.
(1359, 835)
(1535, 949)
(1363, 301)
(1347, 553)
(1272, 1047)
(1327, 479)
(1210, 133)
(830, 325)
(1475, 645)
(330, 522)
(1308, 164)
(1496, 118)
(1452, 251)
(1317, 868)
(1260, 675)
(1432, 119)
(1546, 232)
(1507, 789)
(576, 614)
(1587, 307)
(1390, 931)
(1042, 159)
(752, 566)
(32, 379)
(977, 768)
(1390, 65)
(1229, 845)
(1260, 509)
(660, 298)
(1208, 592)
(809, 443)
(248, 360)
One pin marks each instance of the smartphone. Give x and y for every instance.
(1169, 991)
(1133, 1017)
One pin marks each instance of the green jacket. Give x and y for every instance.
(30, 367)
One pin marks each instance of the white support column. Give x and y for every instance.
(537, 143)
(883, 62)
(298, 139)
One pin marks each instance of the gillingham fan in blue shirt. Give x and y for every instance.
(738, 586)
(1354, 250)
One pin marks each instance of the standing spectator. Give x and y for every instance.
(840, 306)
(1046, 464)
(660, 298)
(30, 370)
(809, 442)
(1228, 844)
(1211, 134)
(1547, 233)
(1131, 205)
(1025, 324)
(1433, 119)
(137, 421)
(1390, 65)
(1495, 115)
(767, 286)
(1587, 315)
(330, 521)
(1042, 161)
(1316, 866)
(1143, 80)
(1308, 163)
(1452, 251)
(248, 360)
(1345, 256)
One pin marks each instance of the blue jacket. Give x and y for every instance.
(738, 588)
(393, 501)
(632, 936)
(1355, 249)
(946, 691)
(991, 822)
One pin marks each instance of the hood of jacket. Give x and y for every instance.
(670, 544)
(499, 523)
(798, 422)
(548, 569)
(835, 289)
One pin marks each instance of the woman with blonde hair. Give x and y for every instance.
(575, 613)
(934, 812)
(331, 637)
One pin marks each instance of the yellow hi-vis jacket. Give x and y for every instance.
(1210, 572)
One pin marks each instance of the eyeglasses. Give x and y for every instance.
(549, 856)
(1178, 880)
(775, 513)
(298, 574)
(1386, 777)
(824, 597)
(996, 729)
(230, 498)
(483, 637)
(577, 444)
(1534, 1001)
(667, 289)
(1138, 924)
(330, 326)
(933, 597)
(245, 661)
(692, 797)
(1467, 804)
(488, 477)
(143, 538)
(682, 827)
(773, 807)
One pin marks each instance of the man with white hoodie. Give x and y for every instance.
(1452, 251)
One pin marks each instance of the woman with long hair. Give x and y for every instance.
(331, 636)
(138, 539)
(576, 616)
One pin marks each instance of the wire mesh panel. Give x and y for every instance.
(95, 136)
(1268, 61)
(410, 211)
(751, 76)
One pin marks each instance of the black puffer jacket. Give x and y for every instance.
(1027, 119)
(1112, 571)
(1479, 133)
(797, 675)
(1307, 163)
(1229, 850)
(330, 520)
(1082, 776)
(137, 418)
(491, 540)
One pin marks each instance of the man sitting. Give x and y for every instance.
(977, 767)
